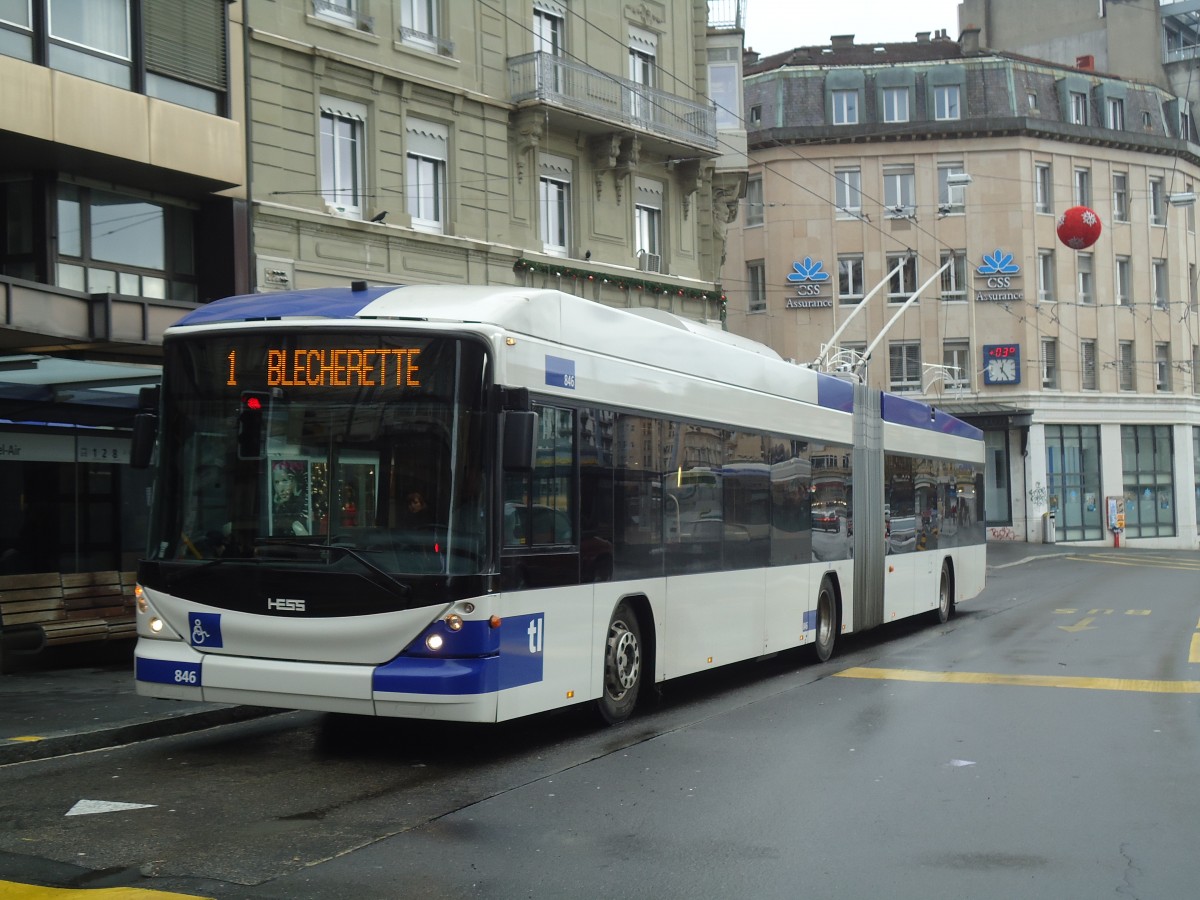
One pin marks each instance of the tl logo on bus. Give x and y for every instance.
(535, 635)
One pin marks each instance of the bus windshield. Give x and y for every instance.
(275, 446)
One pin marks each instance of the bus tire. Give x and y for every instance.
(827, 620)
(622, 666)
(945, 607)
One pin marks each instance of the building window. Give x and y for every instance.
(420, 26)
(91, 40)
(1083, 187)
(1162, 367)
(754, 200)
(895, 104)
(1083, 271)
(179, 47)
(1196, 466)
(1079, 108)
(116, 243)
(647, 223)
(1049, 363)
(956, 365)
(848, 192)
(1087, 365)
(756, 115)
(1045, 276)
(1147, 121)
(1158, 205)
(1161, 289)
(548, 31)
(1146, 463)
(850, 278)
(343, 126)
(554, 204)
(1116, 113)
(1043, 188)
(945, 102)
(954, 279)
(1192, 295)
(1185, 122)
(952, 198)
(1126, 373)
(1120, 197)
(904, 367)
(903, 283)
(1124, 279)
(1196, 386)
(341, 12)
(425, 174)
(845, 107)
(899, 191)
(1191, 207)
(1031, 101)
(1073, 480)
(756, 281)
(643, 64)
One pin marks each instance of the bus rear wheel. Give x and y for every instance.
(827, 621)
(622, 666)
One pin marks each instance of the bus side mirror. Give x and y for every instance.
(141, 445)
(145, 428)
(520, 441)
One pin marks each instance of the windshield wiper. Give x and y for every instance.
(353, 553)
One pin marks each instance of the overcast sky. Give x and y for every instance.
(773, 26)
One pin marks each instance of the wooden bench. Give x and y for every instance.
(68, 609)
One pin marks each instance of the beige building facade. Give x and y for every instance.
(563, 143)
(1082, 367)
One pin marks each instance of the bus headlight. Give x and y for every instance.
(434, 642)
(156, 624)
(454, 622)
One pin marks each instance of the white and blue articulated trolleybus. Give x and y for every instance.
(476, 503)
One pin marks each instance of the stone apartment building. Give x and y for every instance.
(956, 160)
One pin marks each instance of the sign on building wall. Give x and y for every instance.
(998, 279)
(16, 447)
(811, 283)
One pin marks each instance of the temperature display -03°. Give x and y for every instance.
(1002, 364)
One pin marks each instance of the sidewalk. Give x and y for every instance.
(81, 697)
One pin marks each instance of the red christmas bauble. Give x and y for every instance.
(1079, 227)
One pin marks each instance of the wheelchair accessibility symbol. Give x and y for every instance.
(205, 629)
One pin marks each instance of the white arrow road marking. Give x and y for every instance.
(92, 807)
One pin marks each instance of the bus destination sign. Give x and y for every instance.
(337, 367)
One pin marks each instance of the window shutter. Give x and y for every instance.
(185, 39)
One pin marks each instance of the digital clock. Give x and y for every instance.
(1002, 364)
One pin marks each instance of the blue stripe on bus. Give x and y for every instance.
(166, 671)
(835, 393)
(521, 641)
(332, 303)
(915, 414)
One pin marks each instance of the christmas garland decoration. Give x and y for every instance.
(624, 284)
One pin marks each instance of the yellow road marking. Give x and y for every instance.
(1081, 625)
(27, 738)
(1061, 681)
(1194, 655)
(10, 890)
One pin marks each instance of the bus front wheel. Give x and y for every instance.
(827, 621)
(945, 607)
(622, 666)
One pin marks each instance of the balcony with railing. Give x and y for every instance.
(569, 85)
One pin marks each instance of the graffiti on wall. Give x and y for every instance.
(1001, 533)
